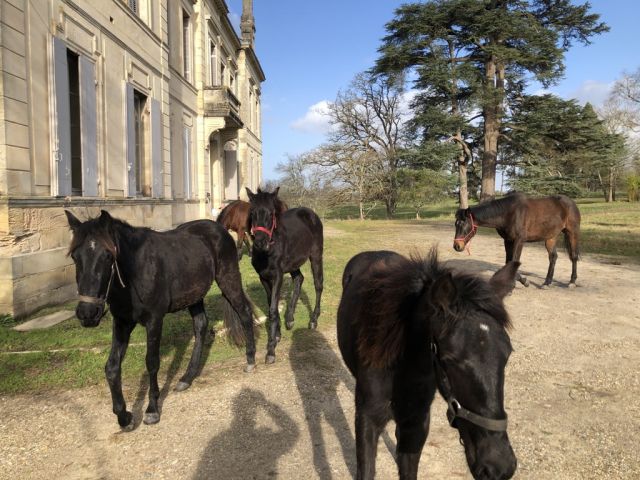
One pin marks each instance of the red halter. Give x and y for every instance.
(469, 236)
(255, 229)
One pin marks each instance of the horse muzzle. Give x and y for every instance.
(89, 314)
(458, 245)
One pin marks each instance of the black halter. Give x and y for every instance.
(454, 409)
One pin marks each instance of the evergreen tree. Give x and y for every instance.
(496, 46)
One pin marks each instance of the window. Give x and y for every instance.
(186, 45)
(232, 82)
(222, 74)
(213, 63)
(139, 120)
(74, 162)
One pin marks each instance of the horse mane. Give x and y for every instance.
(496, 207)
(261, 197)
(106, 234)
(393, 296)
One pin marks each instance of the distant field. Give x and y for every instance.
(69, 356)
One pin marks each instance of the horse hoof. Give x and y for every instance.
(125, 420)
(278, 337)
(130, 427)
(270, 359)
(313, 325)
(525, 282)
(181, 386)
(151, 418)
(572, 285)
(288, 324)
(249, 367)
(545, 286)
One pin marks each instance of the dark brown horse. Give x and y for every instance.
(519, 219)
(409, 327)
(235, 216)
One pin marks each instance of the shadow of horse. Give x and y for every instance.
(472, 265)
(233, 453)
(319, 373)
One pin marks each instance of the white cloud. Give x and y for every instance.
(593, 92)
(316, 120)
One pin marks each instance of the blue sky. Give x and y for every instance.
(311, 49)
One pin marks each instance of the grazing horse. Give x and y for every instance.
(409, 327)
(142, 275)
(282, 241)
(519, 219)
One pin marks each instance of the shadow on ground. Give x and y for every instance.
(246, 449)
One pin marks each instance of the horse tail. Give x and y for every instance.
(233, 322)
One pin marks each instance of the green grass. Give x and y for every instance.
(612, 229)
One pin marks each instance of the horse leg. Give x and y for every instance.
(368, 430)
(517, 251)
(553, 256)
(200, 323)
(274, 319)
(411, 434)
(318, 279)
(154, 332)
(247, 243)
(240, 234)
(571, 241)
(113, 371)
(298, 278)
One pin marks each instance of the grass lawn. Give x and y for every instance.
(69, 356)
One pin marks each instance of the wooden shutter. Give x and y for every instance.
(156, 149)
(62, 140)
(89, 127)
(131, 141)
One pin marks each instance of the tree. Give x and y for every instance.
(367, 118)
(626, 98)
(502, 41)
(555, 145)
(421, 187)
(355, 173)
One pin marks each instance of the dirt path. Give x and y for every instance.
(572, 394)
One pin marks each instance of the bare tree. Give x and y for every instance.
(625, 99)
(368, 118)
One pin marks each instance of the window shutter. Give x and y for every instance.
(156, 149)
(186, 160)
(62, 147)
(88, 127)
(131, 141)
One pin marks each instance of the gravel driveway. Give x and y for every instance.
(572, 395)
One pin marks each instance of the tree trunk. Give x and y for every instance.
(612, 185)
(361, 206)
(494, 78)
(418, 214)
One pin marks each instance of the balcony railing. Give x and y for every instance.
(221, 102)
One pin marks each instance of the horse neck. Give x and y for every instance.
(128, 240)
(486, 215)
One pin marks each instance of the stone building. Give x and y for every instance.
(149, 109)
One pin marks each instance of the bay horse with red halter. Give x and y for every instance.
(283, 240)
(519, 219)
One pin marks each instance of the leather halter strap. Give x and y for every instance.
(468, 236)
(454, 408)
(103, 300)
(269, 232)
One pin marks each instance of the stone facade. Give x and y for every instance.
(149, 109)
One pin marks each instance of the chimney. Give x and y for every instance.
(247, 24)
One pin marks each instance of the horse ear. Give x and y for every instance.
(74, 223)
(504, 279)
(443, 292)
(250, 194)
(275, 192)
(105, 217)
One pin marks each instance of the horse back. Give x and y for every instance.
(351, 317)
(546, 217)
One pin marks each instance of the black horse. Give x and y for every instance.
(407, 326)
(519, 219)
(283, 241)
(142, 274)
